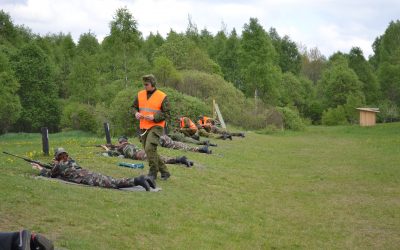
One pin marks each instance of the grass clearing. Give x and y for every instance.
(326, 187)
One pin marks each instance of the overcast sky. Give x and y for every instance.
(327, 24)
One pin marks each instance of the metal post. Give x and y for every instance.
(107, 131)
(45, 140)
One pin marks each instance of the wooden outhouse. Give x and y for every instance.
(368, 116)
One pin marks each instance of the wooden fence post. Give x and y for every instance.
(107, 131)
(45, 140)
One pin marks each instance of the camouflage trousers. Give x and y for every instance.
(188, 131)
(167, 142)
(86, 177)
(142, 156)
(204, 133)
(182, 138)
(221, 131)
(150, 141)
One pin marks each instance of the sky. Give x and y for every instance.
(329, 25)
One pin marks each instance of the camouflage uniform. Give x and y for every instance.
(130, 151)
(186, 130)
(70, 171)
(176, 136)
(167, 142)
(221, 131)
(204, 133)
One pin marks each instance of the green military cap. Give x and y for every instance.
(59, 151)
(122, 139)
(149, 78)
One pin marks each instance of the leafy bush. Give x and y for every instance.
(121, 119)
(184, 105)
(207, 87)
(334, 116)
(353, 102)
(79, 116)
(389, 112)
(291, 118)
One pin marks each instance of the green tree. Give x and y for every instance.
(123, 45)
(10, 106)
(83, 81)
(313, 63)
(229, 60)
(288, 54)
(184, 54)
(88, 44)
(338, 82)
(150, 45)
(166, 73)
(297, 91)
(217, 47)
(206, 40)
(38, 91)
(258, 61)
(67, 51)
(389, 77)
(365, 74)
(12, 37)
(389, 62)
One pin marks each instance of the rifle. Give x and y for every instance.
(30, 160)
(100, 145)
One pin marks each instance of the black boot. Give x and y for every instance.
(212, 144)
(205, 150)
(184, 160)
(196, 137)
(38, 241)
(227, 136)
(165, 176)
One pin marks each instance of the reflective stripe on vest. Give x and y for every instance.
(191, 124)
(150, 106)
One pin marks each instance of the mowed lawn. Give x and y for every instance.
(324, 188)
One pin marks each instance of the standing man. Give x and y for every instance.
(151, 108)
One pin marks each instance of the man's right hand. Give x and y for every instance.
(138, 115)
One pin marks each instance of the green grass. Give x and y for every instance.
(324, 188)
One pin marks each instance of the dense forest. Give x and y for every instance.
(258, 78)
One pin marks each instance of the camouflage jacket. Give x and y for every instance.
(67, 170)
(128, 150)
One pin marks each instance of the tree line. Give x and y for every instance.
(255, 74)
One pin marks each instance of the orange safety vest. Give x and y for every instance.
(150, 106)
(206, 121)
(191, 124)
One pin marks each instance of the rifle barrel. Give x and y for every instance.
(29, 160)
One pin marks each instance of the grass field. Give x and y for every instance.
(324, 188)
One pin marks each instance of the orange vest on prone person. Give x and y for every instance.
(206, 121)
(150, 106)
(191, 124)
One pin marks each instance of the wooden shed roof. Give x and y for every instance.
(375, 110)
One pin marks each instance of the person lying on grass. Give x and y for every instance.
(65, 168)
(131, 151)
